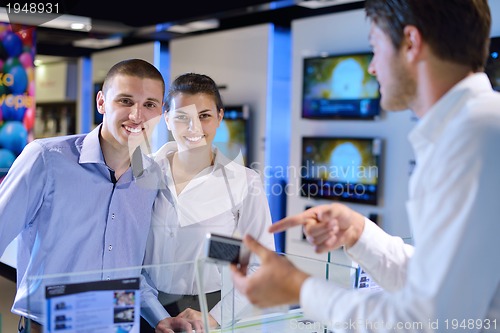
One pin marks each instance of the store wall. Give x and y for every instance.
(495, 17)
(51, 82)
(102, 61)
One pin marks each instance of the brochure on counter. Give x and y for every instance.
(98, 307)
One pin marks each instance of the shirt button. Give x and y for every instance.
(108, 278)
(113, 215)
(110, 248)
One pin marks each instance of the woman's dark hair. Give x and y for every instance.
(456, 30)
(193, 83)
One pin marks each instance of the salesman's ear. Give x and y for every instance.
(412, 43)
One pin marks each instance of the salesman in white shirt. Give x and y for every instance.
(428, 56)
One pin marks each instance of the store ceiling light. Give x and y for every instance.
(94, 43)
(77, 26)
(315, 4)
(194, 26)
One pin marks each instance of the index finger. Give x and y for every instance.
(292, 221)
(286, 223)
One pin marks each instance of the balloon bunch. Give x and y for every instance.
(17, 91)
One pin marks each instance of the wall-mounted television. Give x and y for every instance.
(493, 63)
(341, 168)
(339, 87)
(232, 137)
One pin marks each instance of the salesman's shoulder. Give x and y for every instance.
(484, 111)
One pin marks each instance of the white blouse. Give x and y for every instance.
(226, 198)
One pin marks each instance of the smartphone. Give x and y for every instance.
(224, 249)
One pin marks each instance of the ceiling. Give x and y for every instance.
(147, 20)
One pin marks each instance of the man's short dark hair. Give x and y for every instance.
(456, 30)
(133, 67)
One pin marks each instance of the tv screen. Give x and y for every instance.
(340, 87)
(341, 168)
(232, 135)
(493, 63)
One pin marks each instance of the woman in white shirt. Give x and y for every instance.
(206, 192)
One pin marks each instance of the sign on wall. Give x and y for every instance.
(17, 91)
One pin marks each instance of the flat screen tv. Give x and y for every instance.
(232, 135)
(340, 87)
(493, 63)
(341, 168)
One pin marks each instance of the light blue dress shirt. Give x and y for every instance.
(60, 200)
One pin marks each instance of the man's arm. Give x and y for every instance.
(21, 193)
(156, 315)
(151, 308)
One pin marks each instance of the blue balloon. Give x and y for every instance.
(10, 112)
(20, 79)
(12, 44)
(11, 62)
(6, 160)
(13, 136)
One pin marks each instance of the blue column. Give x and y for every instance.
(278, 125)
(85, 95)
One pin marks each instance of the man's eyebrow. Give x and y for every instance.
(124, 95)
(154, 99)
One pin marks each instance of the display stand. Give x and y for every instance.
(110, 300)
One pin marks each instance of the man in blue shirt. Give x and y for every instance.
(81, 203)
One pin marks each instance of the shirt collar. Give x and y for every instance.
(430, 126)
(91, 151)
(220, 160)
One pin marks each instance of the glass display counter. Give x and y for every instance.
(113, 300)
